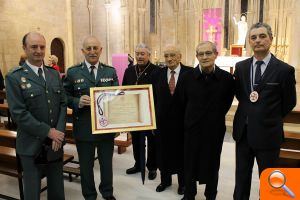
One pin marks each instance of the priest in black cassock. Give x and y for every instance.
(144, 72)
(170, 133)
(206, 93)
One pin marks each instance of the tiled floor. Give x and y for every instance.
(129, 187)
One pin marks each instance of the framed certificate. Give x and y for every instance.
(122, 108)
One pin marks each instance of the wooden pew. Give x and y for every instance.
(9, 161)
(122, 144)
(71, 170)
(290, 149)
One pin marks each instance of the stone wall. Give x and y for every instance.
(17, 17)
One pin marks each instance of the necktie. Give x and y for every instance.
(258, 72)
(40, 72)
(92, 67)
(172, 83)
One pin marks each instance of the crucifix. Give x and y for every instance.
(211, 33)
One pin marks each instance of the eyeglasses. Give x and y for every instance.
(171, 55)
(95, 48)
(207, 53)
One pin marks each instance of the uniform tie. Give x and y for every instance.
(172, 82)
(92, 67)
(40, 72)
(258, 72)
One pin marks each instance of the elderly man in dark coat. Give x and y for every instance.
(169, 133)
(206, 93)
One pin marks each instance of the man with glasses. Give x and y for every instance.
(206, 93)
(79, 80)
(169, 133)
(265, 89)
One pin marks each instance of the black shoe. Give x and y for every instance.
(180, 190)
(132, 170)
(110, 197)
(186, 198)
(211, 198)
(152, 175)
(161, 187)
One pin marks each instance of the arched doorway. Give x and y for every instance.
(57, 48)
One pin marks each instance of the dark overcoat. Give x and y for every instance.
(169, 120)
(206, 100)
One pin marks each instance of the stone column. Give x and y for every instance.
(294, 49)
(135, 24)
(160, 17)
(126, 33)
(176, 11)
(107, 6)
(141, 12)
(90, 8)
(186, 28)
(70, 47)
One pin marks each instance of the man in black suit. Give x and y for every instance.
(265, 89)
(206, 93)
(169, 133)
(142, 73)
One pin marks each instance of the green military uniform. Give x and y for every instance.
(36, 106)
(77, 83)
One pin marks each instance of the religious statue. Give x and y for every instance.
(242, 29)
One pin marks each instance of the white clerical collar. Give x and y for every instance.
(176, 70)
(266, 59)
(212, 71)
(35, 68)
(89, 64)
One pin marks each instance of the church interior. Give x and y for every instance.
(121, 25)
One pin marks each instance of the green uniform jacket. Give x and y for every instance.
(35, 107)
(77, 83)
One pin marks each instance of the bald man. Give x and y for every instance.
(37, 103)
(80, 78)
(170, 120)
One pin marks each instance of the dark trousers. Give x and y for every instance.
(32, 175)
(151, 151)
(245, 155)
(210, 188)
(86, 154)
(166, 178)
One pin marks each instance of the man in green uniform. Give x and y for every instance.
(37, 103)
(79, 80)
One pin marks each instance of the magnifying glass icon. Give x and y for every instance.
(277, 180)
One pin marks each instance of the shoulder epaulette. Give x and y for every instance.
(14, 69)
(75, 66)
(48, 67)
(105, 65)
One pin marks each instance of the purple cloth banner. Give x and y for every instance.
(212, 26)
(120, 63)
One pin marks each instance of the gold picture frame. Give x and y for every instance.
(122, 109)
